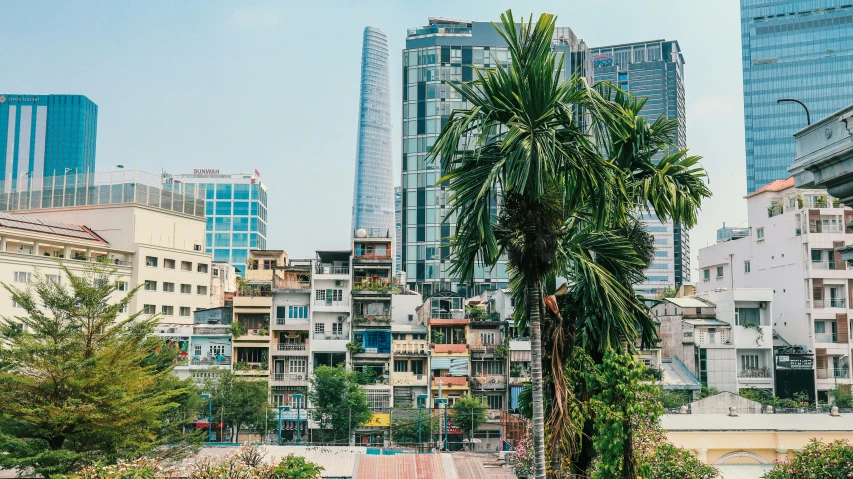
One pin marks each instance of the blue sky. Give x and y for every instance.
(274, 86)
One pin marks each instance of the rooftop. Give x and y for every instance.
(708, 322)
(775, 186)
(757, 422)
(689, 302)
(35, 225)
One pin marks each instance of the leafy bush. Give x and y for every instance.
(522, 461)
(843, 395)
(817, 460)
(670, 462)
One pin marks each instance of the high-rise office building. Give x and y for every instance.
(236, 211)
(45, 136)
(373, 188)
(798, 49)
(654, 70)
(398, 222)
(443, 51)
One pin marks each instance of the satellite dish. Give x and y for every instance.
(361, 233)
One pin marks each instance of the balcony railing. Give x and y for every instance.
(291, 347)
(332, 269)
(488, 383)
(224, 361)
(755, 373)
(292, 322)
(292, 284)
(774, 210)
(450, 381)
(836, 303)
(823, 265)
(445, 315)
(253, 293)
(289, 377)
(821, 228)
(410, 347)
(832, 373)
(200, 331)
(332, 304)
(373, 256)
(331, 336)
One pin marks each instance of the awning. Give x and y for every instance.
(455, 366)
(522, 356)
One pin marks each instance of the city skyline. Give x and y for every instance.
(799, 50)
(203, 69)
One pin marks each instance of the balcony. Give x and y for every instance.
(450, 348)
(336, 305)
(292, 285)
(829, 303)
(211, 331)
(453, 318)
(450, 382)
(374, 286)
(250, 369)
(410, 348)
(832, 373)
(830, 228)
(774, 210)
(332, 270)
(288, 379)
(755, 373)
(823, 265)
(482, 350)
(331, 336)
(409, 379)
(292, 324)
(826, 338)
(488, 383)
(210, 363)
(291, 346)
(371, 320)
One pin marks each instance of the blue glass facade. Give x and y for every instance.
(654, 70)
(795, 49)
(45, 135)
(373, 189)
(236, 214)
(435, 55)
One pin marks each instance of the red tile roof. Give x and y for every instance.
(777, 185)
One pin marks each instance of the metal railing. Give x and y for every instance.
(292, 284)
(224, 361)
(836, 303)
(282, 377)
(292, 321)
(291, 347)
(410, 347)
(331, 336)
(212, 331)
(828, 373)
(755, 373)
(332, 269)
(821, 228)
(488, 383)
(451, 315)
(332, 304)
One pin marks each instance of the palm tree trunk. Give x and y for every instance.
(533, 303)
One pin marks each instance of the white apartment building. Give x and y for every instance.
(223, 279)
(793, 233)
(164, 250)
(723, 337)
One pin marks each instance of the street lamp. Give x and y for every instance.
(209, 414)
(421, 401)
(298, 398)
(438, 403)
(794, 100)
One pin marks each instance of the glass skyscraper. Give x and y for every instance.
(43, 136)
(798, 49)
(655, 70)
(447, 50)
(373, 188)
(236, 212)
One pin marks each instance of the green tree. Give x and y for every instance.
(468, 413)
(817, 460)
(296, 467)
(404, 424)
(81, 384)
(338, 403)
(670, 462)
(842, 395)
(237, 402)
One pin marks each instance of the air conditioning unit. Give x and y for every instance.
(196, 247)
(148, 263)
(762, 305)
(170, 330)
(340, 319)
(255, 331)
(339, 282)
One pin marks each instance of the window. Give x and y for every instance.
(151, 261)
(759, 233)
(167, 310)
(168, 263)
(493, 401)
(223, 208)
(401, 366)
(320, 294)
(122, 308)
(150, 285)
(706, 273)
(53, 278)
(202, 290)
(186, 289)
(297, 366)
(820, 327)
(280, 312)
(746, 266)
(149, 309)
(297, 312)
(719, 271)
(202, 268)
(217, 350)
(215, 273)
(168, 287)
(417, 367)
(487, 338)
(22, 277)
(748, 361)
(186, 266)
(319, 328)
(197, 350)
(744, 316)
(122, 286)
(488, 368)
(337, 328)
(185, 311)
(817, 255)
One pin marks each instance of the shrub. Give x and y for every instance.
(670, 462)
(817, 460)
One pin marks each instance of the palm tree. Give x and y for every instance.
(518, 149)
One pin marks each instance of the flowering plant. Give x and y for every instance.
(522, 461)
(670, 462)
(817, 460)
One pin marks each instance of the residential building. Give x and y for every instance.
(331, 308)
(723, 338)
(791, 250)
(162, 247)
(236, 213)
(727, 233)
(204, 347)
(655, 70)
(373, 186)
(448, 50)
(30, 246)
(43, 136)
(410, 349)
(450, 361)
(490, 357)
(253, 304)
(798, 49)
(223, 284)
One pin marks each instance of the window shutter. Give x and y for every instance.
(842, 327)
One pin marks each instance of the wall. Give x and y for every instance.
(403, 305)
